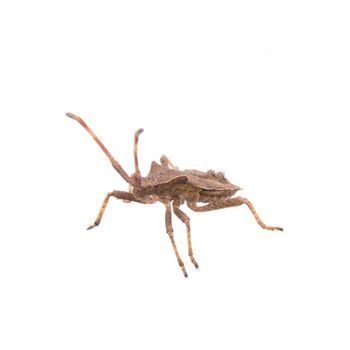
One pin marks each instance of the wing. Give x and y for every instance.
(161, 175)
(210, 180)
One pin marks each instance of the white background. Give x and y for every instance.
(258, 89)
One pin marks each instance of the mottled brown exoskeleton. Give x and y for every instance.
(167, 184)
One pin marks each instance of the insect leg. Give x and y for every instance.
(232, 202)
(186, 220)
(115, 164)
(170, 232)
(164, 160)
(117, 194)
(257, 218)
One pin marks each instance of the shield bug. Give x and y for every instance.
(167, 184)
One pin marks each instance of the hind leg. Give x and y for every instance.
(233, 202)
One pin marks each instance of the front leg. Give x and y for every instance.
(126, 196)
(232, 202)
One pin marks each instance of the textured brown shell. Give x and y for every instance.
(210, 180)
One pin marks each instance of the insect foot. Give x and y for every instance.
(184, 271)
(194, 262)
(92, 226)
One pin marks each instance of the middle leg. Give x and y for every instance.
(170, 232)
(186, 220)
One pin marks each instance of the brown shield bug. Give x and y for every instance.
(167, 184)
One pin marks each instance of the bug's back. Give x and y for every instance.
(162, 180)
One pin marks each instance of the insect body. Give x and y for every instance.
(173, 187)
